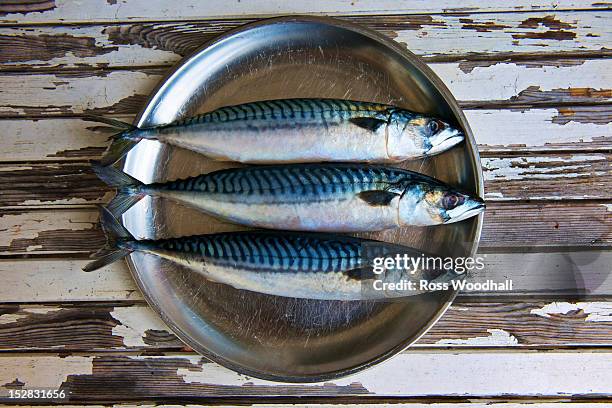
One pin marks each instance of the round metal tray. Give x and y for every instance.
(271, 337)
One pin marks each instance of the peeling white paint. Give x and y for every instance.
(514, 168)
(497, 337)
(147, 10)
(595, 311)
(42, 371)
(57, 94)
(505, 80)
(29, 224)
(53, 280)
(135, 321)
(608, 206)
(434, 373)
(531, 128)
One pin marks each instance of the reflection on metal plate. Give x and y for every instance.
(272, 337)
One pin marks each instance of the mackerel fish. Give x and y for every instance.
(298, 265)
(307, 197)
(298, 131)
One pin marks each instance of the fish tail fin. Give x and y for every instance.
(128, 188)
(123, 140)
(116, 235)
(119, 147)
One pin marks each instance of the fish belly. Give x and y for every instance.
(269, 142)
(347, 215)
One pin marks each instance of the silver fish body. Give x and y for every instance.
(305, 130)
(309, 197)
(310, 266)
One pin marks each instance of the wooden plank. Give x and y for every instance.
(510, 178)
(94, 378)
(573, 128)
(521, 226)
(576, 128)
(58, 11)
(435, 37)
(551, 274)
(546, 177)
(57, 280)
(516, 84)
(137, 328)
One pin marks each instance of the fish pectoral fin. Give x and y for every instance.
(377, 197)
(371, 124)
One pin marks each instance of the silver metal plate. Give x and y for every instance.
(273, 337)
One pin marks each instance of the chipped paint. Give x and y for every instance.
(134, 323)
(496, 337)
(519, 168)
(56, 280)
(36, 93)
(49, 231)
(44, 371)
(536, 128)
(595, 311)
(504, 81)
(147, 10)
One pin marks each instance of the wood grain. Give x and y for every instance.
(54, 11)
(575, 128)
(465, 325)
(536, 83)
(434, 37)
(111, 378)
(559, 275)
(507, 178)
(516, 226)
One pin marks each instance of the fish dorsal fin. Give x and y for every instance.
(377, 197)
(360, 274)
(371, 124)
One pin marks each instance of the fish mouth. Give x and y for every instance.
(468, 210)
(445, 140)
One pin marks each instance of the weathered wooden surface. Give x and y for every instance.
(524, 84)
(534, 80)
(55, 11)
(425, 374)
(437, 37)
(465, 325)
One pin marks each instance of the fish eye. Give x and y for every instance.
(435, 126)
(450, 201)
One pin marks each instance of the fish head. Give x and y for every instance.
(434, 203)
(411, 135)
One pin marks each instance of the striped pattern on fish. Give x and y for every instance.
(299, 130)
(311, 266)
(308, 197)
